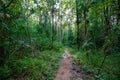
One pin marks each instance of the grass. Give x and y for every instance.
(92, 62)
(42, 67)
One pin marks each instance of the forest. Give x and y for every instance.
(59, 39)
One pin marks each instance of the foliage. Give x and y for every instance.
(43, 66)
(32, 31)
(91, 64)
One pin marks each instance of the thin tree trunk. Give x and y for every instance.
(101, 66)
(28, 31)
(84, 12)
(52, 25)
(29, 36)
(78, 33)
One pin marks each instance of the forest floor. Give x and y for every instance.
(66, 70)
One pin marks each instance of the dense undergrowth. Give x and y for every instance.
(42, 27)
(41, 67)
(91, 63)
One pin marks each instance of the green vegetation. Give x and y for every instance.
(42, 66)
(34, 34)
(91, 64)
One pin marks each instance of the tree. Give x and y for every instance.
(78, 22)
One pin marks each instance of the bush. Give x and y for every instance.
(42, 66)
(4, 72)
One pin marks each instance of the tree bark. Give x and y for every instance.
(78, 33)
(52, 25)
(28, 31)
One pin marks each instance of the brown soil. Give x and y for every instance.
(65, 67)
(65, 71)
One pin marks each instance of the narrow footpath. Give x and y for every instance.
(64, 72)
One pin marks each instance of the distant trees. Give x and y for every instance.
(93, 21)
(100, 25)
(30, 26)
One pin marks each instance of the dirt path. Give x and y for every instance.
(65, 67)
(66, 70)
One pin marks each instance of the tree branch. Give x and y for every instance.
(4, 7)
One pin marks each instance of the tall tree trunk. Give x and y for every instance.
(28, 31)
(78, 33)
(107, 20)
(29, 36)
(85, 25)
(85, 21)
(52, 25)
